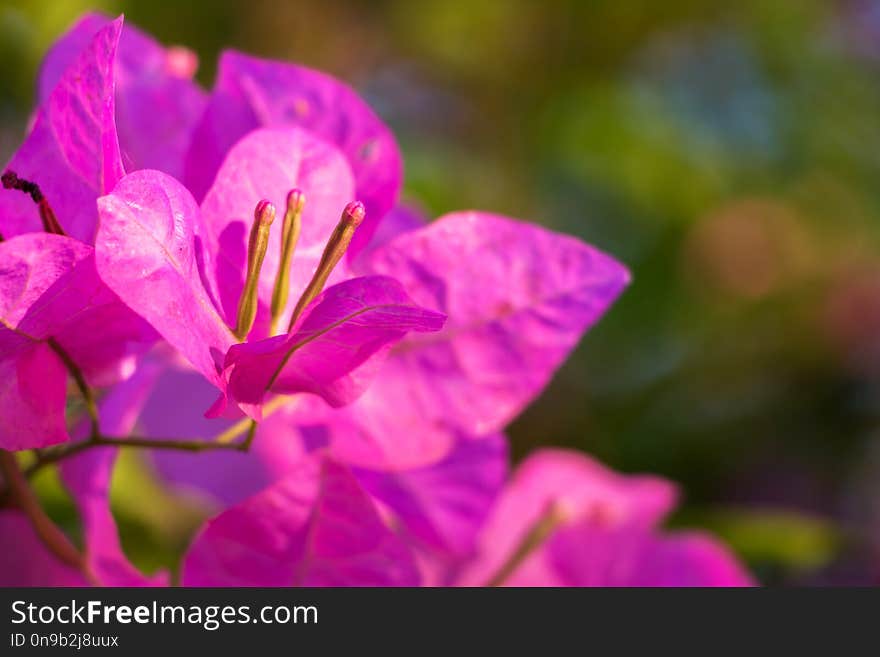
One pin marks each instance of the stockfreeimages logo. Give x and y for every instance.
(210, 617)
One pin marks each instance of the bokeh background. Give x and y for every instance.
(728, 152)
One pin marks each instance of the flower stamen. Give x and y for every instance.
(352, 217)
(258, 241)
(290, 230)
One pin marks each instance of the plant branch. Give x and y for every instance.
(70, 449)
(222, 441)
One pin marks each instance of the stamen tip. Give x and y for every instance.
(296, 199)
(265, 212)
(354, 213)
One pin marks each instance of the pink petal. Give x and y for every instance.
(332, 351)
(315, 527)
(31, 265)
(690, 559)
(150, 252)
(587, 556)
(386, 428)
(250, 93)
(267, 164)
(518, 298)
(443, 506)
(72, 152)
(157, 104)
(66, 49)
(99, 332)
(33, 389)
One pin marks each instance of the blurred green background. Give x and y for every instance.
(728, 152)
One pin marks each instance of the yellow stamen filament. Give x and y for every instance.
(336, 247)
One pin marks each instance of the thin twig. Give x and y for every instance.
(72, 449)
(222, 441)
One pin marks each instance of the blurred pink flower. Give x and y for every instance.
(562, 520)
(566, 520)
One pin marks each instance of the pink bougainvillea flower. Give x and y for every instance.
(54, 312)
(315, 527)
(565, 520)
(100, 76)
(518, 298)
(399, 483)
(183, 268)
(522, 295)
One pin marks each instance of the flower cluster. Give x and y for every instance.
(333, 375)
